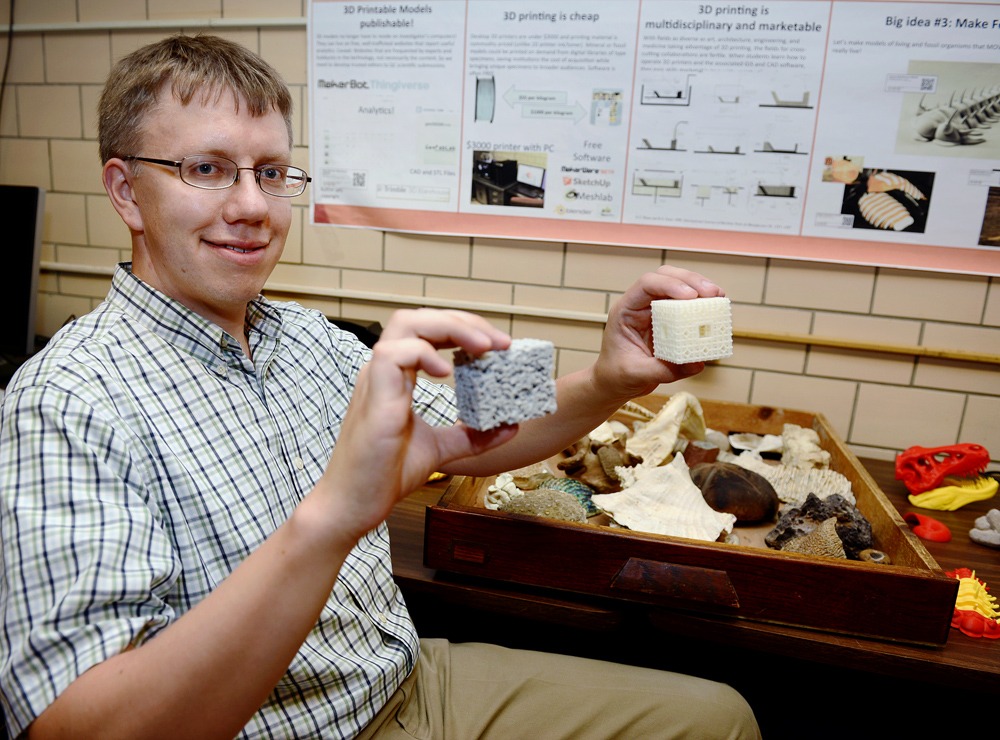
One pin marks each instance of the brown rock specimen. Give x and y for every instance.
(853, 529)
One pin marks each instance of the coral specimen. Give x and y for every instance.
(794, 484)
(800, 448)
(501, 492)
(594, 463)
(853, 529)
(822, 541)
(741, 492)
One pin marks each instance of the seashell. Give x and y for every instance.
(655, 440)
(609, 432)
(546, 503)
(664, 500)
(759, 443)
(874, 556)
(821, 541)
(741, 492)
(884, 212)
(531, 476)
(577, 489)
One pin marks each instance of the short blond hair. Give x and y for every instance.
(203, 65)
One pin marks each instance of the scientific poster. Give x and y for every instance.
(858, 132)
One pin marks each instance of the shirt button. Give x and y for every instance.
(221, 370)
(382, 619)
(299, 465)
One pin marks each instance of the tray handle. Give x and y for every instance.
(686, 582)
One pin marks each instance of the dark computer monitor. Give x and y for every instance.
(23, 214)
(529, 174)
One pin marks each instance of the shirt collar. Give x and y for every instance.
(182, 327)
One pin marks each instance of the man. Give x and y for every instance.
(183, 556)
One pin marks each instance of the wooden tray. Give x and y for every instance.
(910, 600)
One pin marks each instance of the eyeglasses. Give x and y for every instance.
(209, 172)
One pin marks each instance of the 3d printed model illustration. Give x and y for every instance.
(486, 98)
(884, 211)
(666, 93)
(803, 102)
(657, 184)
(960, 121)
(888, 200)
(692, 331)
(768, 148)
(645, 143)
(775, 191)
(712, 150)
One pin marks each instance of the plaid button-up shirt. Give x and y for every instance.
(142, 458)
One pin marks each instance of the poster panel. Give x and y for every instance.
(855, 132)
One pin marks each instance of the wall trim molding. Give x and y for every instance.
(506, 309)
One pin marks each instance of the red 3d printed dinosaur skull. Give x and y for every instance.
(923, 468)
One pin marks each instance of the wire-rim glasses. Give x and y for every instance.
(209, 172)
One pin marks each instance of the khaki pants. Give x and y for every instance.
(466, 691)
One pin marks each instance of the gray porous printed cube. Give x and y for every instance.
(505, 386)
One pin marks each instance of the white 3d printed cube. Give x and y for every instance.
(505, 386)
(692, 331)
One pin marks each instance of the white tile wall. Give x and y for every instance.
(879, 402)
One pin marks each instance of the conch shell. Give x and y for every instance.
(664, 500)
(654, 440)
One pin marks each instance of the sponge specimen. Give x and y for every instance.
(692, 331)
(505, 386)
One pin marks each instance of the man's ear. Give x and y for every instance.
(118, 184)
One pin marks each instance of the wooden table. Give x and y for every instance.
(755, 657)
